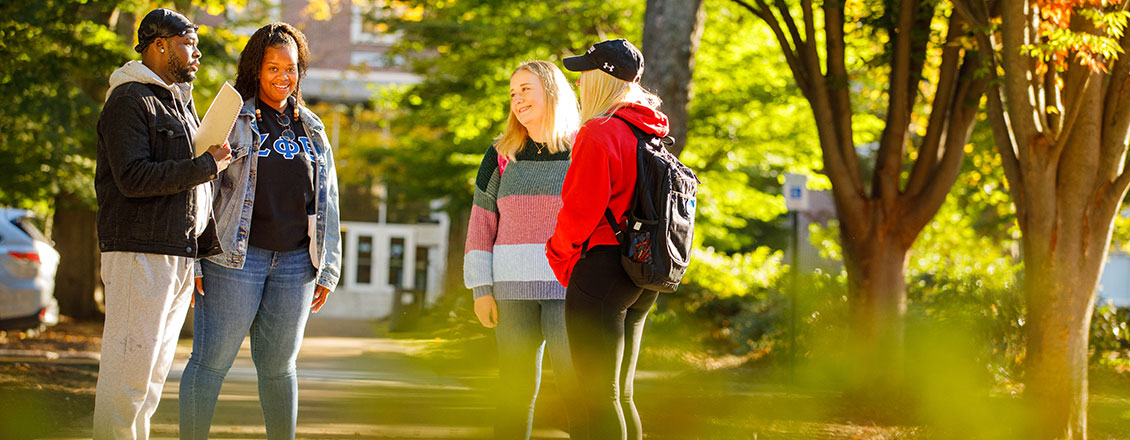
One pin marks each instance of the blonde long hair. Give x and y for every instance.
(602, 94)
(560, 119)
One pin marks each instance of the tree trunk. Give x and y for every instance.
(1060, 303)
(877, 291)
(671, 34)
(1066, 237)
(78, 283)
(877, 300)
(1068, 179)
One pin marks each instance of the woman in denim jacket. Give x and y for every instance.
(280, 237)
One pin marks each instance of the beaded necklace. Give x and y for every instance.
(281, 118)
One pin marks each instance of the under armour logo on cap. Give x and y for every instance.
(618, 58)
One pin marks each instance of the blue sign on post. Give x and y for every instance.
(796, 194)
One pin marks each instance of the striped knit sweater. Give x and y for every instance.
(513, 216)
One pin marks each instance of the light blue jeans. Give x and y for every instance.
(270, 297)
(525, 328)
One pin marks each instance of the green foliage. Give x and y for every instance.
(727, 305)
(1110, 331)
(219, 49)
(1062, 40)
(748, 125)
(1093, 45)
(1120, 240)
(58, 59)
(54, 54)
(718, 275)
(464, 53)
(972, 290)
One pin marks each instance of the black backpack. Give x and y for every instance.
(655, 242)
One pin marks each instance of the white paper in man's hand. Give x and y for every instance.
(219, 119)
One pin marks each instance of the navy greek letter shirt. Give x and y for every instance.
(284, 189)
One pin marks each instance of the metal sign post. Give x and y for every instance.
(796, 201)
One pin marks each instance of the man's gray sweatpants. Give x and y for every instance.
(147, 298)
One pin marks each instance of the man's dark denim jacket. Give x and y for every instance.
(146, 174)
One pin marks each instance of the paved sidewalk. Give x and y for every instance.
(351, 386)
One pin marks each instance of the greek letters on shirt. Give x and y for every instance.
(286, 147)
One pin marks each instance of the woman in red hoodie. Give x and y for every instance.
(604, 310)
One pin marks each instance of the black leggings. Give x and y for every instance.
(604, 316)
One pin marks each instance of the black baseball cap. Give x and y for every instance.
(618, 58)
(162, 23)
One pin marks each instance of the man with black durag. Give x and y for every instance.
(154, 219)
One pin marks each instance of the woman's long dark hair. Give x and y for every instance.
(251, 59)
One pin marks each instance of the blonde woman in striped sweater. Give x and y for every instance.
(517, 197)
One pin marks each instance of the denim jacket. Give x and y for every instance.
(236, 197)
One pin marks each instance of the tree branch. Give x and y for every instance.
(962, 110)
(1117, 190)
(847, 189)
(1018, 30)
(839, 92)
(1076, 99)
(1110, 199)
(1053, 99)
(1007, 147)
(839, 154)
(967, 12)
(787, 16)
(1116, 125)
(922, 171)
(796, 64)
(1120, 79)
(888, 163)
(1116, 107)
(1003, 134)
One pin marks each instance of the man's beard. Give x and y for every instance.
(179, 69)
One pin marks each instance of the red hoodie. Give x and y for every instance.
(602, 174)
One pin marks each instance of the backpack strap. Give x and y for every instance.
(615, 228)
(640, 134)
(664, 141)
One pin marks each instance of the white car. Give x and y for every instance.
(27, 273)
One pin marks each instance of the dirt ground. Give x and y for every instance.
(37, 398)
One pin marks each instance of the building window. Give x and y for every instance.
(249, 18)
(364, 259)
(366, 26)
(396, 261)
(375, 60)
(421, 272)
